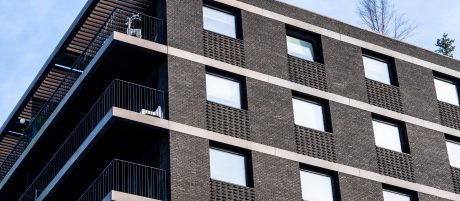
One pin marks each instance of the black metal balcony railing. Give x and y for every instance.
(119, 94)
(128, 178)
(139, 25)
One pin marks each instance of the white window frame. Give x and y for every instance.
(401, 137)
(389, 80)
(453, 155)
(397, 193)
(245, 165)
(456, 97)
(325, 175)
(324, 119)
(312, 49)
(238, 104)
(234, 28)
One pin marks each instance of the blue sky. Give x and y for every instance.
(31, 29)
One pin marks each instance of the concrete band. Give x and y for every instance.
(257, 147)
(284, 83)
(339, 36)
(119, 37)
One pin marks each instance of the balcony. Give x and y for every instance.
(120, 94)
(120, 20)
(129, 178)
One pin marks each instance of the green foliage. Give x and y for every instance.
(445, 45)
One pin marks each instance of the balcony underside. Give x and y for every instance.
(117, 138)
(80, 34)
(117, 60)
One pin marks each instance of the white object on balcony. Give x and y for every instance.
(157, 113)
(134, 23)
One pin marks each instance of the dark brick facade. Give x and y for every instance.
(383, 95)
(189, 167)
(268, 118)
(349, 30)
(354, 137)
(187, 92)
(359, 189)
(315, 143)
(223, 48)
(269, 114)
(418, 95)
(227, 120)
(275, 127)
(450, 115)
(430, 159)
(265, 45)
(344, 69)
(395, 164)
(221, 191)
(307, 73)
(275, 179)
(456, 178)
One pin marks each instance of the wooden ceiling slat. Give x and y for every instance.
(78, 44)
(122, 4)
(74, 50)
(76, 47)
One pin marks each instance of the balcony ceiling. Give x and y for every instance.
(54, 75)
(97, 18)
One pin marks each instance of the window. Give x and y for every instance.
(387, 135)
(309, 114)
(300, 48)
(389, 195)
(446, 91)
(377, 69)
(223, 90)
(219, 21)
(228, 166)
(316, 186)
(453, 149)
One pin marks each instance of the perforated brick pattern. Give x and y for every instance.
(383, 95)
(456, 178)
(224, 191)
(395, 164)
(227, 120)
(315, 143)
(450, 115)
(224, 48)
(307, 73)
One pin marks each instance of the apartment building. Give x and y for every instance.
(232, 100)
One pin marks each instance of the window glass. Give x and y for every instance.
(387, 135)
(219, 22)
(224, 91)
(227, 167)
(446, 91)
(300, 48)
(395, 196)
(376, 70)
(308, 114)
(453, 149)
(316, 186)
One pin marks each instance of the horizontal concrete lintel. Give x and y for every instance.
(339, 36)
(289, 85)
(253, 146)
(121, 196)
